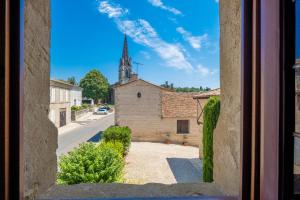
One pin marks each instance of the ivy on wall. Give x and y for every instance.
(210, 119)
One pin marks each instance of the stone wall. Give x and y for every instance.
(40, 135)
(227, 133)
(56, 108)
(144, 115)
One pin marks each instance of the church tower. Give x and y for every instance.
(125, 69)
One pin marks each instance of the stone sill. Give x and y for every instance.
(188, 191)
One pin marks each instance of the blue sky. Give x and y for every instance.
(177, 42)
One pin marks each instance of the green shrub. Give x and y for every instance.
(85, 106)
(118, 133)
(210, 119)
(116, 145)
(75, 108)
(90, 164)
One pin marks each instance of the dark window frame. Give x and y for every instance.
(266, 31)
(179, 132)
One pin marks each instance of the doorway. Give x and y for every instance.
(62, 117)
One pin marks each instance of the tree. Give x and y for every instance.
(184, 89)
(72, 80)
(95, 86)
(210, 119)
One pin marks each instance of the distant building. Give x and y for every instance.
(157, 114)
(125, 71)
(125, 67)
(62, 96)
(76, 96)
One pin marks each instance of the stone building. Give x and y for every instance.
(157, 114)
(76, 96)
(125, 71)
(125, 67)
(60, 103)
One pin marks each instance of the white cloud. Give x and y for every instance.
(217, 1)
(113, 11)
(159, 3)
(204, 71)
(145, 54)
(195, 41)
(143, 33)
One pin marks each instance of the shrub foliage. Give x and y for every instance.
(116, 145)
(210, 118)
(91, 164)
(120, 134)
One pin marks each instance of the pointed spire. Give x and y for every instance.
(125, 49)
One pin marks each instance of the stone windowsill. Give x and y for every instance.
(115, 190)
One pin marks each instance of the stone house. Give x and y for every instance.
(157, 114)
(60, 102)
(76, 96)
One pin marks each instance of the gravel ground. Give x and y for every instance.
(162, 163)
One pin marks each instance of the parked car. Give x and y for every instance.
(101, 111)
(106, 107)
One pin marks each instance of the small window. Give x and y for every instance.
(139, 95)
(182, 126)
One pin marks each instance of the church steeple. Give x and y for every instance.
(125, 70)
(125, 49)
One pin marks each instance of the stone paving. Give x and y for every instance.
(162, 163)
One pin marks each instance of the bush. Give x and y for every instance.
(75, 108)
(85, 106)
(210, 118)
(90, 164)
(118, 133)
(116, 145)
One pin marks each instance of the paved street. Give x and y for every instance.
(90, 127)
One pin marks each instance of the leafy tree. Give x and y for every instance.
(72, 80)
(95, 86)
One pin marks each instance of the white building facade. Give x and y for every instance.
(60, 105)
(76, 96)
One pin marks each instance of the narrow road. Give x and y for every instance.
(71, 139)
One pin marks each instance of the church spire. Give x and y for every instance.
(125, 49)
(125, 70)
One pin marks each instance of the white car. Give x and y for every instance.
(101, 111)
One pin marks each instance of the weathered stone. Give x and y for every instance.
(40, 135)
(115, 190)
(227, 133)
(153, 116)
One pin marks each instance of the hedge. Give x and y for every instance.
(91, 164)
(210, 119)
(116, 145)
(118, 133)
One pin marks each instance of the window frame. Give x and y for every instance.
(264, 52)
(188, 127)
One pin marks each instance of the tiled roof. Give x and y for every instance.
(206, 95)
(184, 105)
(177, 104)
